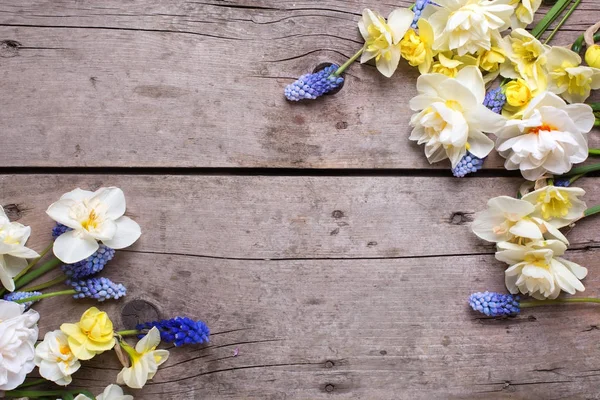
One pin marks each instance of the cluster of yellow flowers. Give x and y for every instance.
(459, 47)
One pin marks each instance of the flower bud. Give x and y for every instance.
(592, 56)
(517, 93)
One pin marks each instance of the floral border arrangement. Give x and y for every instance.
(90, 226)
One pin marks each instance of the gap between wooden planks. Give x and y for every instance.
(315, 313)
(200, 84)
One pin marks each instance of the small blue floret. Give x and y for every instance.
(467, 165)
(179, 330)
(495, 304)
(495, 100)
(14, 296)
(100, 289)
(311, 86)
(418, 9)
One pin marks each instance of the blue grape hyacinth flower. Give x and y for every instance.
(179, 330)
(88, 266)
(100, 289)
(495, 304)
(467, 165)
(312, 86)
(418, 9)
(495, 99)
(14, 296)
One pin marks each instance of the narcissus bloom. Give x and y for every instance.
(382, 39)
(524, 12)
(537, 270)
(551, 137)
(417, 48)
(452, 117)
(13, 253)
(560, 206)
(145, 360)
(92, 335)
(92, 216)
(467, 26)
(528, 59)
(568, 78)
(111, 392)
(55, 359)
(505, 219)
(18, 334)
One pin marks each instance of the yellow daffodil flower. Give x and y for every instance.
(592, 56)
(518, 95)
(524, 12)
(417, 48)
(528, 59)
(382, 39)
(560, 206)
(446, 65)
(92, 335)
(568, 78)
(145, 360)
(467, 26)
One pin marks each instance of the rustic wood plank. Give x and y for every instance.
(248, 217)
(199, 84)
(353, 329)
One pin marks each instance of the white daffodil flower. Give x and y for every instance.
(568, 78)
(524, 12)
(559, 206)
(452, 117)
(467, 26)
(55, 359)
(145, 360)
(382, 39)
(551, 137)
(528, 59)
(537, 270)
(93, 216)
(505, 219)
(13, 253)
(111, 392)
(18, 334)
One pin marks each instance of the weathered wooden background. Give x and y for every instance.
(314, 238)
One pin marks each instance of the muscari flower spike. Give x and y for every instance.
(86, 267)
(562, 182)
(494, 100)
(14, 296)
(418, 9)
(311, 86)
(179, 330)
(495, 304)
(100, 289)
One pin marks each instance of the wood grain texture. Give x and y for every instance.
(326, 319)
(199, 84)
(291, 217)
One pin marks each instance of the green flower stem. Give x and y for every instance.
(130, 332)
(578, 44)
(46, 393)
(537, 303)
(34, 261)
(586, 169)
(573, 179)
(36, 273)
(48, 284)
(341, 69)
(32, 383)
(594, 152)
(595, 106)
(592, 211)
(597, 122)
(550, 17)
(46, 295)
(562, 21)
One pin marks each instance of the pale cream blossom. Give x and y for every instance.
(54, 358)
(568, 78)
(559, 206)
(145, 360)
(451, 117)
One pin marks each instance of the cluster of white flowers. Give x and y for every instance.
(459, 47)
(527, 237)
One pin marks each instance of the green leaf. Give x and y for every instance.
(550, 17)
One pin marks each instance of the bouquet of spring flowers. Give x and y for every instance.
(90, 226)
(461, 47)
